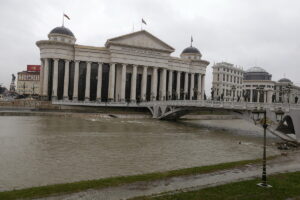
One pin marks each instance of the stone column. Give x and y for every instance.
(76, 80)
(203, 86)
(277, 95)
(186, 84)
(270, 96)
(144, 83)
(99, 82)
(111, 84)
(251, 95)
(41, 78)
(178, 85)
(55, 79)
(199, 87)
(170, 85)
(163, 84)
(265, 96)
(192, 86)
(123, 82)
(87, 81)
(46, 75)
(66, 79)
(154, 84)
(258, 95)
(133, 84)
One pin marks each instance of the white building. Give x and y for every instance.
(28, 83)
(133, 67)
(227, 82)
(286, 91)
(258, 85)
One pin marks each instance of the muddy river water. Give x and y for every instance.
(44, 150)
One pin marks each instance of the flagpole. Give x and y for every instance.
(63, 20)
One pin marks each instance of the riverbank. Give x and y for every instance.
(218, 180)
(171, 186)
(58, 189)
(285, 186)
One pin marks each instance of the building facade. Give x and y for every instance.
(286, 91)
(258, 86)
(133, 67)
(28, 82)
(227, 82)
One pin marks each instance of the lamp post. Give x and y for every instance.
(260, 115)
(288, 91)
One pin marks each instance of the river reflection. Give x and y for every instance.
(45, 150)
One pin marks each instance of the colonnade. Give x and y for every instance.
(259, 96)
(122, 78)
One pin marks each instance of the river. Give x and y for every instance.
(44, 150)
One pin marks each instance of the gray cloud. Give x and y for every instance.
(245, 33)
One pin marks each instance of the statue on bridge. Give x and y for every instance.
(12, 87)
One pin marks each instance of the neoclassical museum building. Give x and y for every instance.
(133, 67)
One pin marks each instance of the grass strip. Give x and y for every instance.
(284, 186)
(43, 191)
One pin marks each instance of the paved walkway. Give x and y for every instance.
(288, 163)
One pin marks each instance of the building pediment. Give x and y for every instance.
(140, 39)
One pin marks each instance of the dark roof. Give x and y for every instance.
(191, 50)
(285, 80)
(62, 30)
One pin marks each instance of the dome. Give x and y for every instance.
(257, 73)
(285, 80)
(62, 30)
(256, 69)
(191, 50)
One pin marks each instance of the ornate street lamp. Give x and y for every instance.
(260, 115)
(279, 114)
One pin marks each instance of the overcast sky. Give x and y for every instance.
(246, 33)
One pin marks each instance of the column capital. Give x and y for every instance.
(56, 59)
(100, 63)
(88, 62)
(76, 61)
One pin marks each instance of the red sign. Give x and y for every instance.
(34, 68)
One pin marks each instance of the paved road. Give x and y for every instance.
(288, 163)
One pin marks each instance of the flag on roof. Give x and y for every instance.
(66, 16)
(144, 22)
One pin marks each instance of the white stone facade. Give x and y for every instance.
(227, 82)
(28, 83)
(286, 92)
(252, 94)
(133, 67)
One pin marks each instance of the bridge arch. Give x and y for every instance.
(287, 125)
